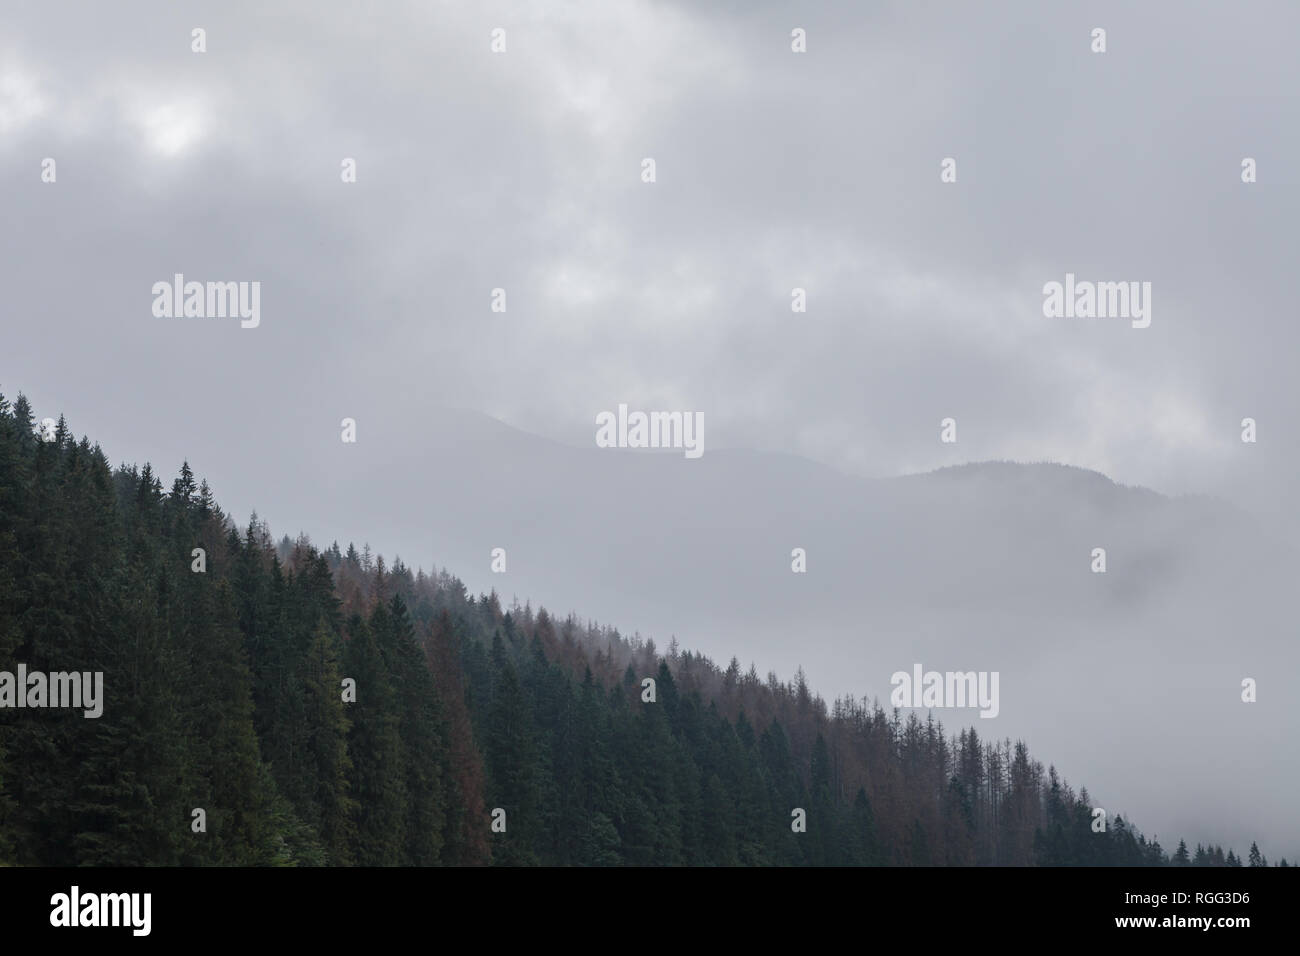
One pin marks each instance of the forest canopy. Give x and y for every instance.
(225, 652)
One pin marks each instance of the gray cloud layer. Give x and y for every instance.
(775, 170)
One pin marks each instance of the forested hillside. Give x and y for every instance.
(224, 690)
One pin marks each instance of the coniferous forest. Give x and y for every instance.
(224, 690)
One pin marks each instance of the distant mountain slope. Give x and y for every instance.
(984, 566)
(223, 685)
(308, 708)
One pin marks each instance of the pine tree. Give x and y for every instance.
(823, 845)
(512, 764)
(375, 745)
(466, 818)
(222, 752)
(419, 729)
(865, 846)
(334, 810)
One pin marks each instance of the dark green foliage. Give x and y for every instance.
(223, 690)
(376, 747)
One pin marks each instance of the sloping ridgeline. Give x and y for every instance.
(223, 692)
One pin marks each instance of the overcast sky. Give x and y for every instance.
(521, 170)
(774, 170)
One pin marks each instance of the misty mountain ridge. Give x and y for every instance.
(982, 566)
(1122, 676)
(462, 706)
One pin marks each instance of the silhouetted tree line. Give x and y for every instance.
(224, 690)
